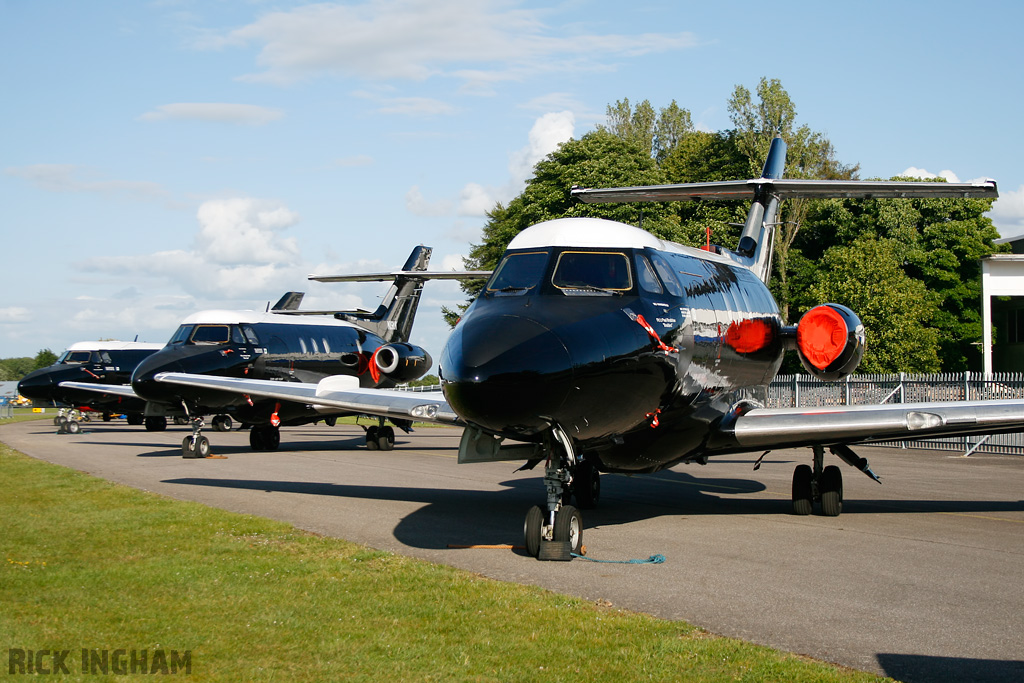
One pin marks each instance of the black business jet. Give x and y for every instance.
(597, 347)
(93, 362)
(287, 345)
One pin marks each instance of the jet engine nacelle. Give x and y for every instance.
(830, 341)
(400, 362)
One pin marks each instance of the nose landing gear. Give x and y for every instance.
(555, 532)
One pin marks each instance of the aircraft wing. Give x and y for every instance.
(786, 189)
(769, 428)
(108, 389)
(341, 392)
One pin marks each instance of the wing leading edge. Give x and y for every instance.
(762, 428)
(340, 393)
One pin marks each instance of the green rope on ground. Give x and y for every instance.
(653, 559)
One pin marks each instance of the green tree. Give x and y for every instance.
(940, 242)
(16, 368)
(44, 358)
(867, 276)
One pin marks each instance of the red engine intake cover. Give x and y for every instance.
(830, 341)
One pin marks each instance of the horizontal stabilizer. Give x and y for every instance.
(411, 274)
(787, 189)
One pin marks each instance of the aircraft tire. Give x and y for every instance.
(107, 417)
(831, 486)
(73, 427)
(386, 438)
(222, 423)
(803, 492)
(587, 485)
(156, 424)
(569, 528)
(273, 438)
(372, 436)
(134, 419)
(59, 420)
(532, 529)
(257, 439)
(199, 449)
(330, 421)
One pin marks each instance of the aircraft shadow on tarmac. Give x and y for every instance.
(466, 517)
(924, 669)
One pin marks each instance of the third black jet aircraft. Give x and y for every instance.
(597, 347)
(283, 346)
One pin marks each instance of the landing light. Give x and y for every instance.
(428, 411)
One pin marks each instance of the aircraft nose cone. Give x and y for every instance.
(142, 379)
(37, 384)
(506, 373)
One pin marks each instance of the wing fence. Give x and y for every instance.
(805, 391)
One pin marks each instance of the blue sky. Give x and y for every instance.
(164, 157)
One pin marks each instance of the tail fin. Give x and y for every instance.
(393, 319)
(289, 302)
(759, 230)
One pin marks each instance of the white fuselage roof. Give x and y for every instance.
(595, 233)
(225, 317)
(113, 345)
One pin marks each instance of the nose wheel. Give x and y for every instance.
(196, 445)
(555, 532)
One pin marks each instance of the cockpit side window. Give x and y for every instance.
(211, 334)
(236, 335)
(667, 275)
(250, 334)
(645, 275)
(592, 271)
(518, 273)
(182, 334)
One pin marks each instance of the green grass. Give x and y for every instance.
(85, 563)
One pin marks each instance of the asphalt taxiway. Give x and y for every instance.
(920, 578)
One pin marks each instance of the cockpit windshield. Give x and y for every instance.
(207, 334)
(592, 272)
(519, 273)
(75, 357)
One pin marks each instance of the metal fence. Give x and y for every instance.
(805, 391)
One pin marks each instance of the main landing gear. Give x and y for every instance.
(380, 436)
(825, 484)
(555, 531)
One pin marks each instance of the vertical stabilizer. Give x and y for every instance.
(393, 319)
(756, 240)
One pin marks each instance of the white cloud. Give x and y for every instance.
(216, 112)
(419, 39)
(244, 231)
(549, 131)
(914, 172)
(237, 253)
(476, 200)
(1007, 212)
(418, 205)
(72, 178)
(14, 315)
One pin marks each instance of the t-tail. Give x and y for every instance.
(393, 319)
(755, 246)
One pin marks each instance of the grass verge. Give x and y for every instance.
(85, 563)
